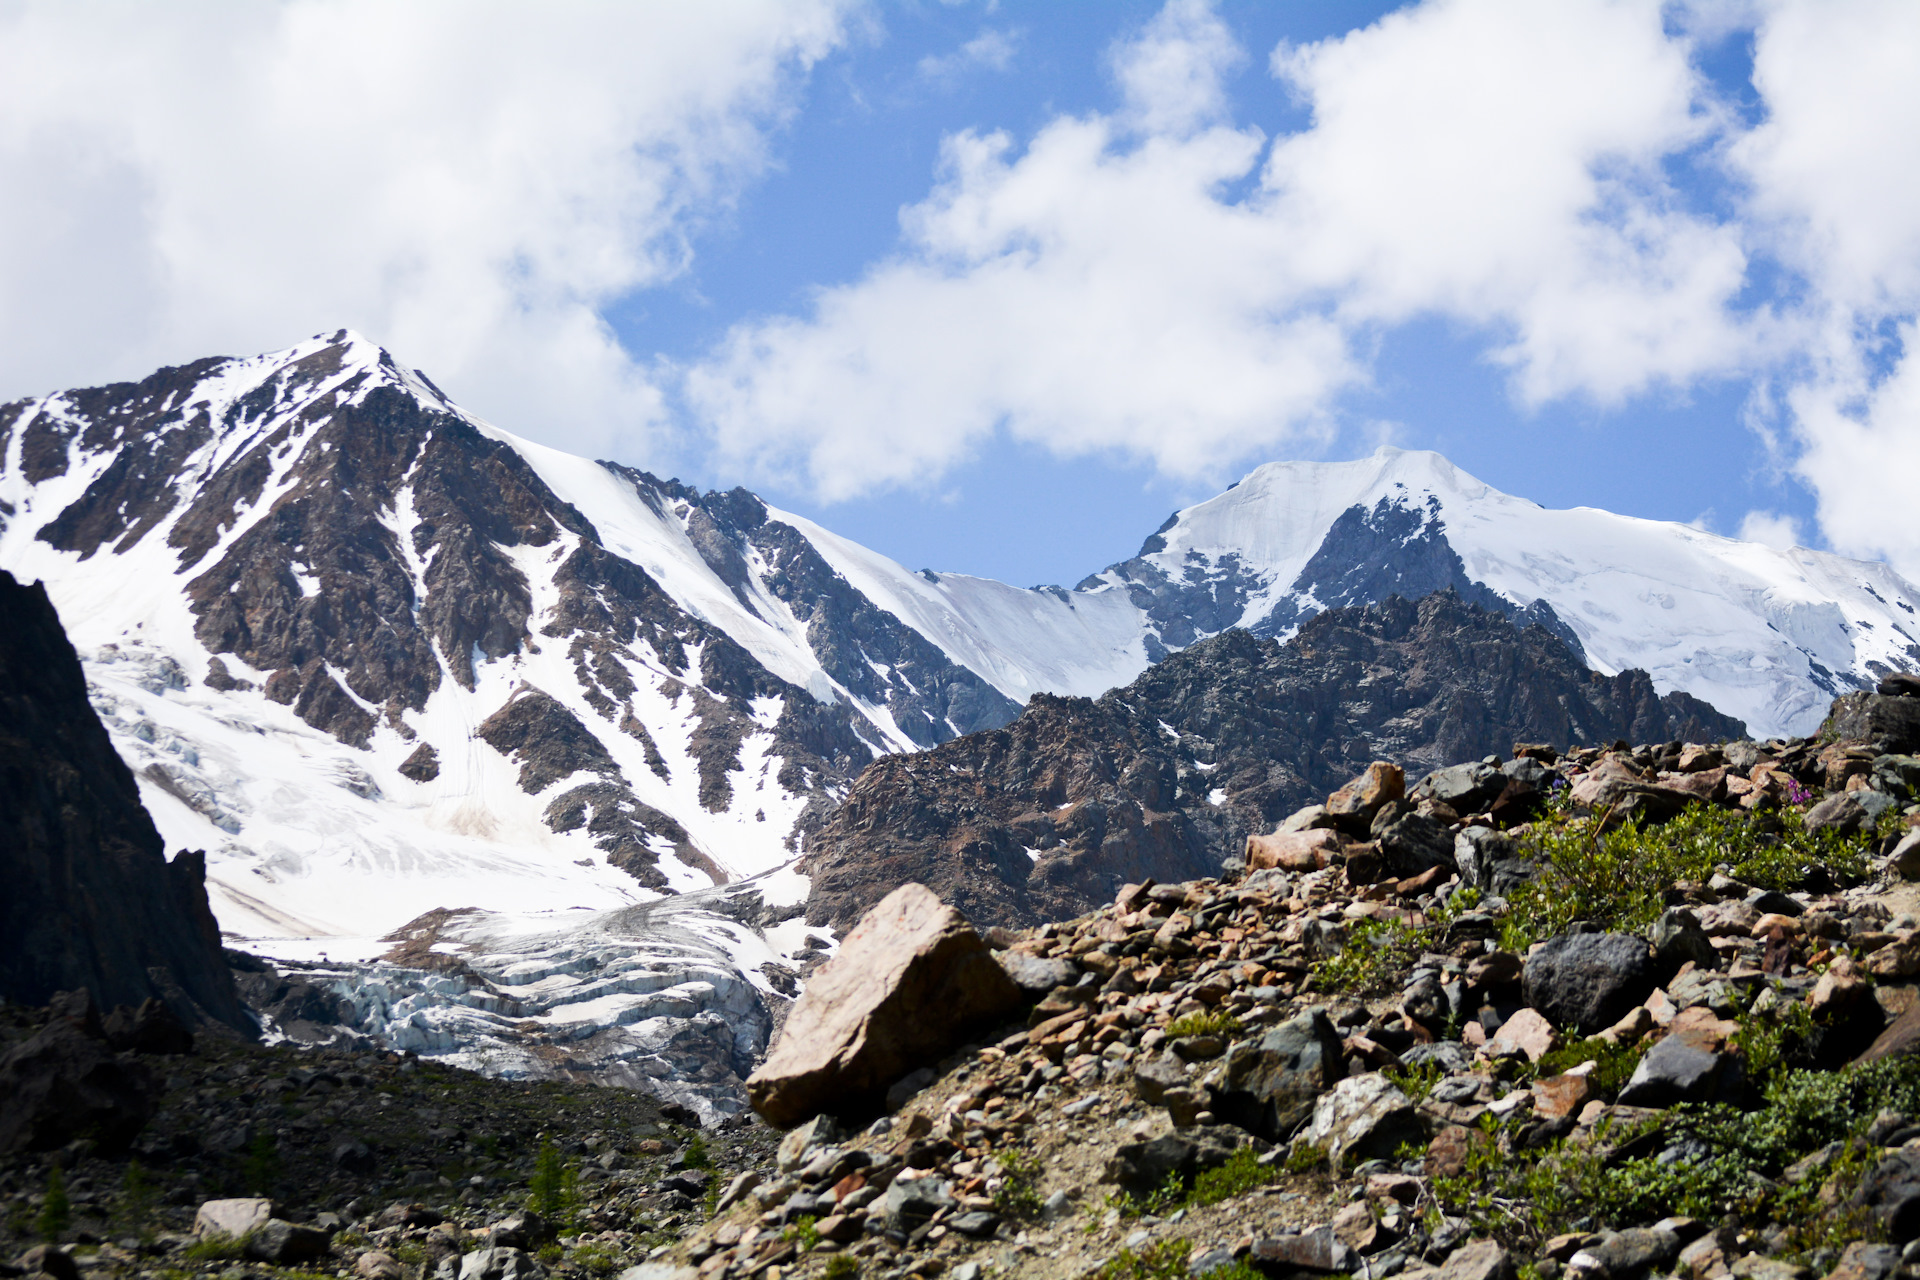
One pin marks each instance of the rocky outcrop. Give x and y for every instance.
(1168, 777)
(910, 982)
(91, 900)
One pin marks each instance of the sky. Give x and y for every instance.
(993, 287)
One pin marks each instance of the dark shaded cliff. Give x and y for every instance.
(91, 900)
(1047, 817)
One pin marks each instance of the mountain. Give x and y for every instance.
(1165, 778)
(452, 713)
(91, 900)
(1766, 635)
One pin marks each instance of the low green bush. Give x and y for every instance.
(1212, 1022)
(1240, 1174)
(1618, 879)
(1706, 1162)
(1018, 1195)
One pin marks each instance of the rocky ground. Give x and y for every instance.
(386, 1157)
(1617, 1013)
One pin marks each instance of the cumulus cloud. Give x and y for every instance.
(991, 50)
(1835, 180)
(471, 183)
(1165, 283)
(1771, 529)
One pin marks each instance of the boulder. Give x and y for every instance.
(500, 1263)
(1037, 975)
(1891, 1193)
(1293, 850)
(1412, 843)
(62, 1084)
(1464, 788)
(234, 1219)
(151, 1028)
(1678, 1069)
(1847, 813)
(1863, 1260)
(1141, 1168)
(1892, 724)
(48, 1260)
(1905, 859)
(910, 983)
(1588, 981)
(910, 1202)
(1477, 1260)
(1271, 1082)
(1383, 781)
(1363, 1117)
(286, 1244)
(1317, 1249)
(1677, 938)
(1490, 861)
(1154, 1075)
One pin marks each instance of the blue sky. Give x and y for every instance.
(865, 142)
(992, 287)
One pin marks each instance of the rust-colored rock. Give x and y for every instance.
(1292, 850)
(1382, 782)
(910, 982)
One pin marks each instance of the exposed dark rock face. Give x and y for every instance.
(91, 900)
(1396, 548)
(868, 651)
(1168, 776)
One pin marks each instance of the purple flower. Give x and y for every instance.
(1797, 794)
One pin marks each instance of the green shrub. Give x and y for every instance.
(553, 1191)
(804, 1232)
(696, 1156)
(1211, 1022)
(261, 1170)
(57, 1211)
(1165, 1260)
(1707, 1162)
(217, 1247)
(1240, 1174)
(1374, 959)
(1617, 879)
(1614, 1064)
(842, 1266)
(1018, 1195)
(137, 1199)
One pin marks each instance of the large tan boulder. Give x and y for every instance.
(910, 983)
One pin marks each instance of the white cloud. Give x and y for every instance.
(1772, 529)
(1835, 176)
(990, 50)
(1164, 284)
(469, 183)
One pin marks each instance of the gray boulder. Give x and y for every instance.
(1848, 812)
(1490, 862)
(1143, 1167)
(1588, 981)
(1678, 938)
(284, 1243)
(1676, 1070)
(1464, 788)
(1271, 1082)
(1363, 1117)
(1037, 975)
(910, 1204)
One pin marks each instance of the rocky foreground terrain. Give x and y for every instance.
(1612, 1013)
